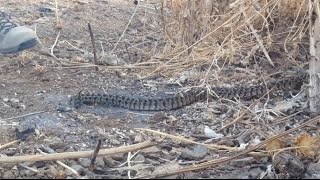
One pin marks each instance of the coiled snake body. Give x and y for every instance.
(185, 98)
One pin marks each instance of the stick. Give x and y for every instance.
(125, 44)
(254, 32)
(93, 46)
(74, 155)
(9, 144)
(54, 44)
(94, 156)
(16, 117)
(125, 29)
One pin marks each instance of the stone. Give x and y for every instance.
(194, 153)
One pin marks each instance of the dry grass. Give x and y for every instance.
(204, 32)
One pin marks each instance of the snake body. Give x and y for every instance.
(188, 97)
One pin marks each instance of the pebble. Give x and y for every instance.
(139, 158)
(14, 100)
(99, 162)
(45, 9)
(62, 108)
(10, 151)
(212, 134)
(119, 157)
(85, 162)
(288, 164)
(138, 138)
(194, 153)
(55, 143)
(313, 171)
(254, 173)
(109, 162)
(29, 173)
(114, 141)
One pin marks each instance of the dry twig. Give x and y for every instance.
(93, 46)
(73, 155)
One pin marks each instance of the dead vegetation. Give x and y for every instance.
(199, 33)
(214, 34)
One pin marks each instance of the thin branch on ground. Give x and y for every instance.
(25, 115)
(9, 144)
(93, 46)
(54, 44)
(79, 154)
(125, 29)
(94, 156)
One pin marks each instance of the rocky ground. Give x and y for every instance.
(35, 88)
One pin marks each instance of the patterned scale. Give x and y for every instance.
(185, 98)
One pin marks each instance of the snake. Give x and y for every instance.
(184, 98)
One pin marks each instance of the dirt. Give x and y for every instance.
(35, 89)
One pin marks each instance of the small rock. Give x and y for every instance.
(99, 162)
(10, 151)
(24, 134)
(40, 92)
(313, 171)
(166, 146)
(29, 173)
(14, 100)
(195, 153)
(139, 158)
(119, 157)
(288, 164)
(94, 134)
(62, 108)
(109, 162)
(85, 162)
(55, 143)
(5, 99)
(114, 142)
(138, 138)
(45, 9)
(15, 103)
(254, 173)
(226, 141)
(111, 60)
(212, 134)
(37, 164)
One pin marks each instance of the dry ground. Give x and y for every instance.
(36, 87)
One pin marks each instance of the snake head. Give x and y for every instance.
(77, 100)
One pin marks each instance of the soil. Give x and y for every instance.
(35, 89)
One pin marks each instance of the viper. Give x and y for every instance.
(188, 97)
